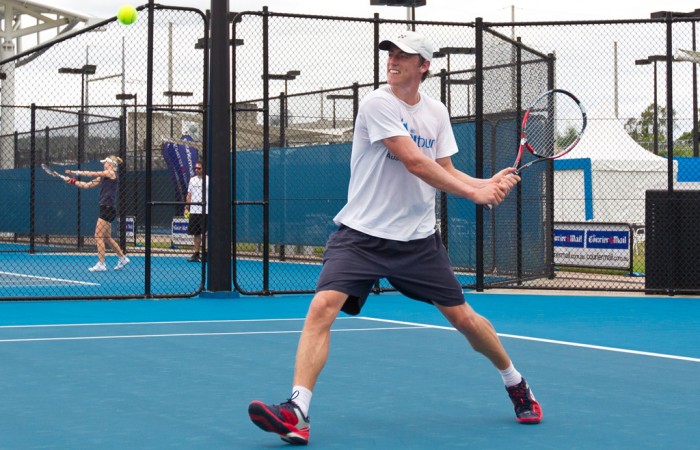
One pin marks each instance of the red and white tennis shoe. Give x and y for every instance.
(285, 419)
(527, 409)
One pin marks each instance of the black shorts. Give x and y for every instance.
(419, 269)
(196, 224)
(108, 213)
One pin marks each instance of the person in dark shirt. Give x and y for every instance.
(108, 180)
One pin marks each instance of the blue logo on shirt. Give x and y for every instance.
(420, 141)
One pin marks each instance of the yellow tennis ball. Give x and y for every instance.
(127, 14)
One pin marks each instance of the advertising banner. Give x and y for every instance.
(179, 234)
(180, 159)
(601, 245)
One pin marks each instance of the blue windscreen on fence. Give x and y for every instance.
(308, 186)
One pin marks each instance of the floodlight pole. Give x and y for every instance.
(643, 62)
(447, 51)
(656, 114)
(669, 15)
(284, 116)
(696, 143)
(410, 8)
(170, 95)
(87, 69)
(134, 97)
(335, 97)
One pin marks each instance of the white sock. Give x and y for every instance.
(301, 396)
(511, 376)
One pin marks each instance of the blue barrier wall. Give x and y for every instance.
(57, 202)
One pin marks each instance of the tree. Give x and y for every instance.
(641, 129)
(566, 139)
(688, 135)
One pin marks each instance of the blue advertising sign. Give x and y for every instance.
(608, 239)
(180, 159)
(590, 244)
(178, 233)
(569, 238)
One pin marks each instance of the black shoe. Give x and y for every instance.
(194, 258)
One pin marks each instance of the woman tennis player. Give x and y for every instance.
(108, 181)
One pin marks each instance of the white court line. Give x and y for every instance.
(173, 322)
(407, 326)
(549, 341)
(232, 333)
(36, 277)
(116, 324)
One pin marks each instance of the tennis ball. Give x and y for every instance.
(187, 214)
(127, 14)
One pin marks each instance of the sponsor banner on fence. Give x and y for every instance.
(592, 245)
(180, 159)
(179, 234)
(129, 225)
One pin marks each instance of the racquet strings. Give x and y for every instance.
(52, 172)
(48, 170)
(554, 125)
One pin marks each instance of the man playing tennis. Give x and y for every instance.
(401, 153)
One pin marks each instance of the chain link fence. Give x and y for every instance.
(297, 80)
(625, 74)
(73, 102)
(596, 194)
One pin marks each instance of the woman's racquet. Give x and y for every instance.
(551, 128)
(53, 173)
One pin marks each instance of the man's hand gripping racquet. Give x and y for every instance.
(552, 126)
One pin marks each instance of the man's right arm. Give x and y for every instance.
(435, 175)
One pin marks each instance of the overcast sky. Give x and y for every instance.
(595, 90)
(437, 10)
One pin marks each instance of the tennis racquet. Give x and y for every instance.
(552, 126)
(53, 173)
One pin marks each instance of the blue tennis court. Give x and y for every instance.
(51, 274)
(610, 372)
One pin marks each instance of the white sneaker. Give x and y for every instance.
(99, 267)
(123, 261)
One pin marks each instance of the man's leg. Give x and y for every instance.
(290, 419)
(483, 338)
(478, 331)
(314, 343)
(197, 243)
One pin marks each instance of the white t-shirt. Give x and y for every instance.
(195, 191)
(384, 199)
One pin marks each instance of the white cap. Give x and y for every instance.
(110, 160)
(410, 42)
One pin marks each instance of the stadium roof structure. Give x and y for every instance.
(25, 18)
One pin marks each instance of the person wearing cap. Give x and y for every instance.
(401, 157)
(108, 181)
(197, 214)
